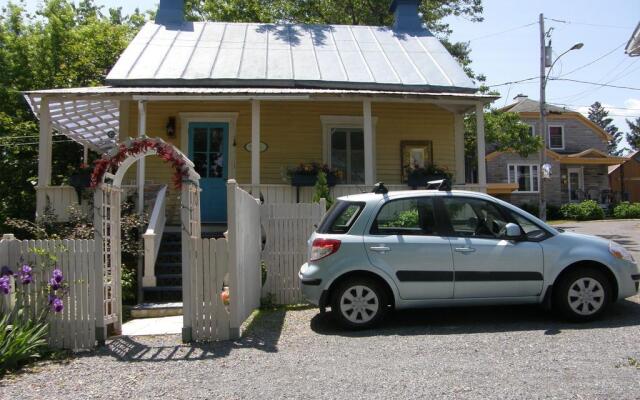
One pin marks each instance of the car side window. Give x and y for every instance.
(471, 217)
(531, 230)
(413, 216)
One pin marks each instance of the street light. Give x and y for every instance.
(544, 77)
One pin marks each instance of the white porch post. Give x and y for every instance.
(482, 165)
(142, 130)
(458, 124)
(369, 167)
(44, 156)
(85, 154)
(255, 148)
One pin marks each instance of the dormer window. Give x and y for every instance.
(556, 137)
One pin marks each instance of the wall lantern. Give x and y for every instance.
(171, 127)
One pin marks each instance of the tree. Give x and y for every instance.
(61, 46)
(600, 116)
(633, 136)
(350, 12)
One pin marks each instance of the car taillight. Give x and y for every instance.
(321, 248)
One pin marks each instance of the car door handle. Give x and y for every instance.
(465, 249)
(380, 249)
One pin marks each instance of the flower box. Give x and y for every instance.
(310, 180)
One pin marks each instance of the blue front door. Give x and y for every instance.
(208, 149)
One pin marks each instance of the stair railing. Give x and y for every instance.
(153, 237)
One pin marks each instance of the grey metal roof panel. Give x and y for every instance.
(287, 55)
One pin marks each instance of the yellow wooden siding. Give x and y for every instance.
(293, 132)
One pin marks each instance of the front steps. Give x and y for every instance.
(155, 310)
(168, 267)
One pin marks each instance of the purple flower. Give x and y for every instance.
(26, 276)
(53, 284)
(57, 275)
(5, 284)
(6, 271)
(57, 305)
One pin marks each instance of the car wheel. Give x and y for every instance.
(359, 303)
(582, 295)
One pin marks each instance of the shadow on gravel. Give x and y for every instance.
(456, 321)
(262, 332)
(625, 240)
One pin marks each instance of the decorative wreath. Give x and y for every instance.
(134, 147)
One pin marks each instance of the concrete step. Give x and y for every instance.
(167, 280)
(154, 310)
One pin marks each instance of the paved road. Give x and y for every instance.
(477, 353)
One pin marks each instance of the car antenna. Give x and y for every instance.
(443, 185)
(380, 188)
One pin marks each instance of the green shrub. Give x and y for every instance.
(321, 190)
(587, 210)
(627, 210)
(405, 219)
(21, 342)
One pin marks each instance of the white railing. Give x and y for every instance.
(287, 194)
(153, 237)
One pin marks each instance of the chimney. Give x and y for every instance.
(521, 97)
(170, 12)
(406, 17)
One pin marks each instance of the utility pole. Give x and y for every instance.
(542, 206)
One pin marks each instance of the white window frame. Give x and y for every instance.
(531, 176)
(347, 122)
(549, 136)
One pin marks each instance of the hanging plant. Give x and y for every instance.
(135, 147)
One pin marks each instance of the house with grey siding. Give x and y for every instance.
(576, 150)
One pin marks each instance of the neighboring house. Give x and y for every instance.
(249, 101)
(624, 179)
(576, 150)
(633, 46)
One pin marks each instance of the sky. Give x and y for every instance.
(506, 48)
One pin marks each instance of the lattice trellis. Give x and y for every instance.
(87, 121)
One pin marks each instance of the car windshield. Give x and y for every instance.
(340, 217)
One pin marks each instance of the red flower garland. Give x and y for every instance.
(138, 146)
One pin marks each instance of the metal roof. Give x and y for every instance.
(633, 45)
(268, 55)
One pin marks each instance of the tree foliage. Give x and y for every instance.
(504, 131)
(633, 136)
(349, 12)
(62, 45)
(600, 116)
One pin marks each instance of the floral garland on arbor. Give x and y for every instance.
(110, 163)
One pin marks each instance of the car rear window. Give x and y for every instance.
(340, 217)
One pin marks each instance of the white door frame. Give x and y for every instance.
(229, 118)
(580, 173)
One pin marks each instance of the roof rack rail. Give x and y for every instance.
(380, 188)
(443, 185)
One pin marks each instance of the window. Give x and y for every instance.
(556, 137)
(525, 175)
(530, 229)
(340, 217)
(474, 217)
(532, 129)
(347, 153)
(413, 216)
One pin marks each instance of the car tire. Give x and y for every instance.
(359, 303)
(582, 295)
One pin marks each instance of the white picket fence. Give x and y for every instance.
(287, 229)
(74, 327)
(232, 262)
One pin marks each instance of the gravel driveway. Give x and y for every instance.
(490, 352)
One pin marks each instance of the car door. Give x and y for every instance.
(404, 240)
(485, 263)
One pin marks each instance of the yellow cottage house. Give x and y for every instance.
(252, 101)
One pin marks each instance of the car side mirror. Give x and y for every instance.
(512, 231)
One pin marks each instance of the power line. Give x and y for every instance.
(594, 83)
(501, 32)
(582, 105)
(33, 143)
(30, 136)
(594, 61)
(562, 21)
(512, 82)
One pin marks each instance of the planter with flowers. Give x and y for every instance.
(417, 176)
(307, 174)
(81, 179)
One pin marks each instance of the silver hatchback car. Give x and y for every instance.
(380, 251)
